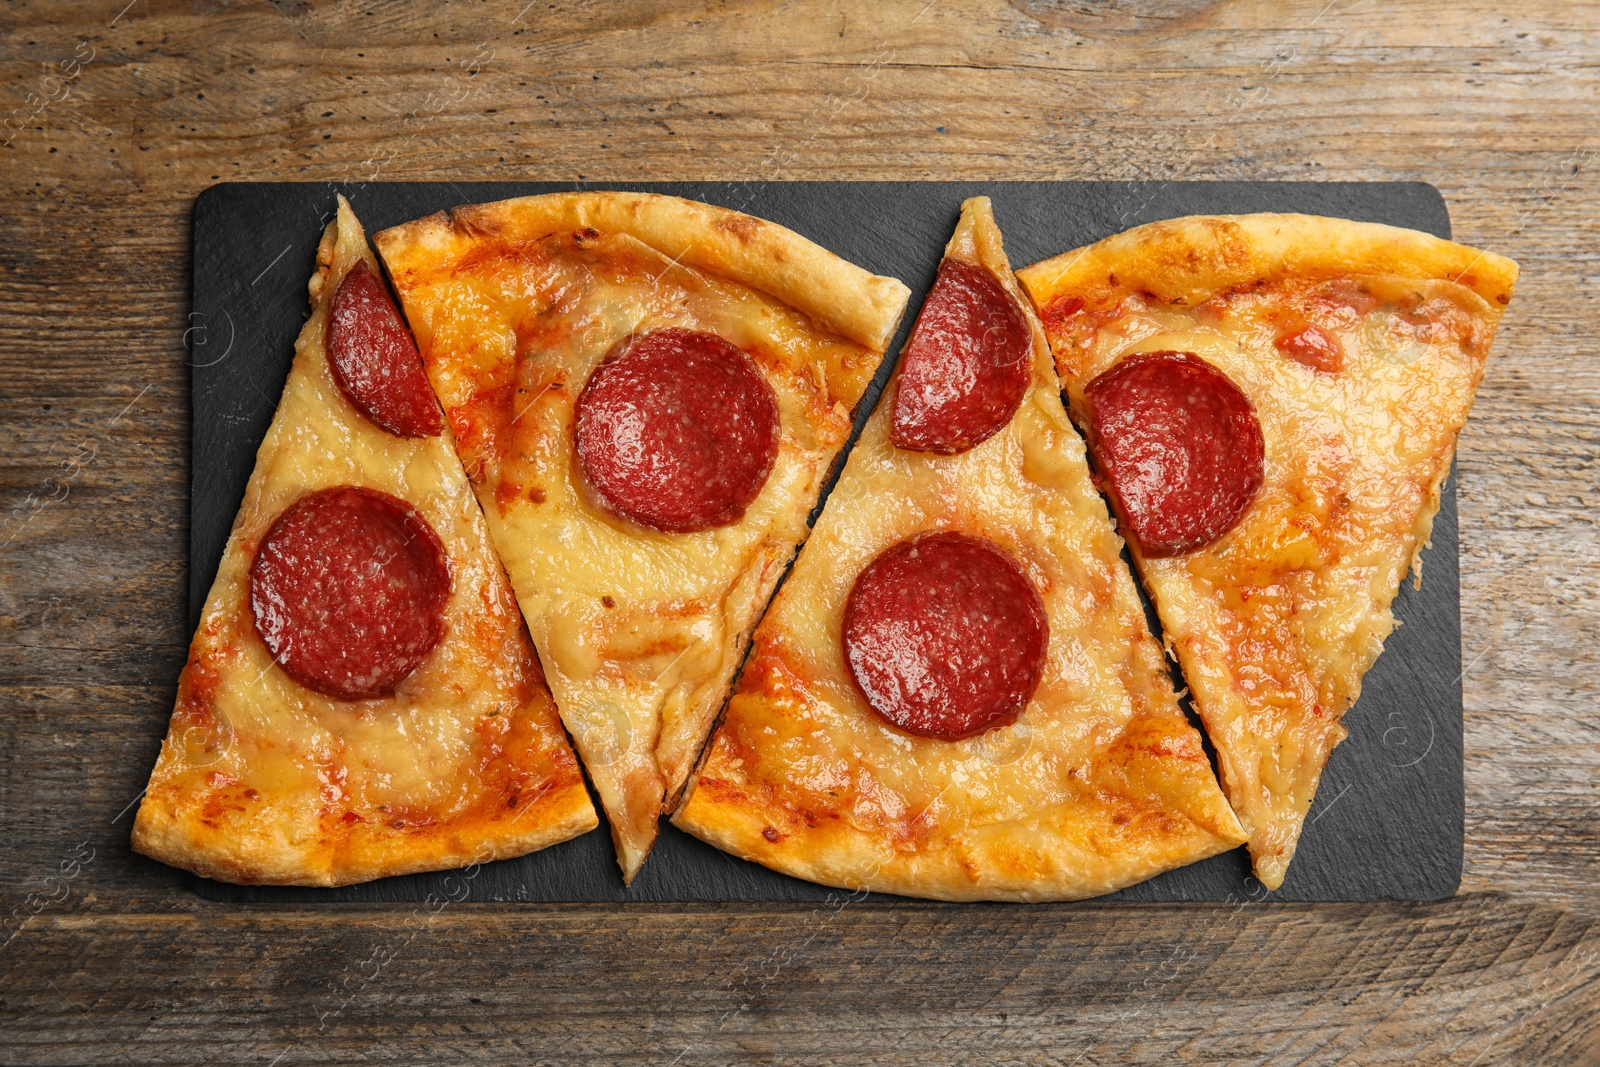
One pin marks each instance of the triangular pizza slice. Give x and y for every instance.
(1272, 402)
(648, 394)
(955, 694)
(361, 698)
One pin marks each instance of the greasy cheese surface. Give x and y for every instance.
(1101, 782)
(1276, 623)
(640, 630)
(264, 781)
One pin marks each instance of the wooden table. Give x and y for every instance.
(125, 111)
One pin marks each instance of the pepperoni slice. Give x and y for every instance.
(1180, 447)
(966, 367)
(677, 430)
(348, 590)
(375, 361)
(945, 636)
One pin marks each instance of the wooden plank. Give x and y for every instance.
(1495, 105)
(1478, 977)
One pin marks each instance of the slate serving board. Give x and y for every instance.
(1388, 818)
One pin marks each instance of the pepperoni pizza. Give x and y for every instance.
(1272, 402)
(955, 694)
(361, 697)
(648, 394)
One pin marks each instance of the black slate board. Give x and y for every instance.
(1388, 819)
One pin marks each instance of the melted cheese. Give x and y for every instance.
(263, 780)
(1099, 783)
(1276, 623)
(640, 631)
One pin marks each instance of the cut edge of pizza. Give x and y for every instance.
(361, 697)
(1272, 403)
(648, 393)
(955, 694)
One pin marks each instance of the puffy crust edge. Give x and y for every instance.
(1186, 260)
(1066, 852)
(175, 833)
(841, 296)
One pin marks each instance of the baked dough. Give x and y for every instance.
(1100, 783)
(1276, 623)
(513, 305)
(262, 781)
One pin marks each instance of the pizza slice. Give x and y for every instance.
(361, 698)
(955, 693)
(648, 394)
(1272, 402)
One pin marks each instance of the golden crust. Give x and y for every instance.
(213, 827)
(514, 304)
(1144, 803)
(1188, 260)
(1099, 784)
(1276, 623)
(261, 781)
(840, 296)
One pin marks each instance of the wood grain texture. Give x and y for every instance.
(1496, 105)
